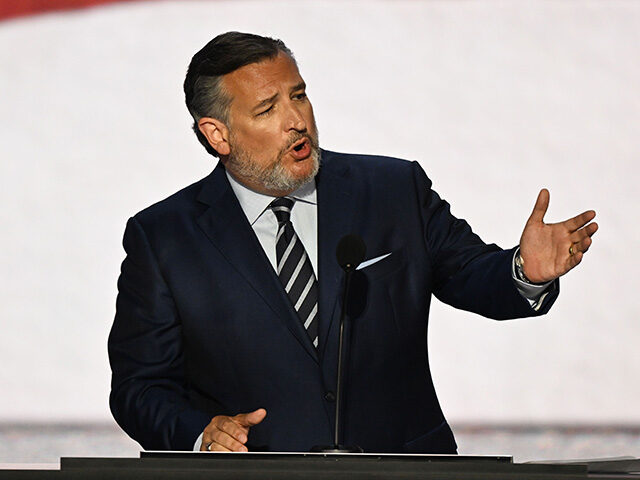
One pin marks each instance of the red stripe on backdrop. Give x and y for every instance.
(17, 8)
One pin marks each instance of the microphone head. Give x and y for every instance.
(350, 252)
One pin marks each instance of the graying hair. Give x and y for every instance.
(210, 99)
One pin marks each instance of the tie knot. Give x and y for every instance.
(281, 207)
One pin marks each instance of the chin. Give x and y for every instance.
(307, 168)
(296, 175)
(302, 169)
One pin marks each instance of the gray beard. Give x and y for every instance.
(274, 176)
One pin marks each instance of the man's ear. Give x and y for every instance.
(216, 133)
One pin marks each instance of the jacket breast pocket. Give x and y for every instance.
(388, 264)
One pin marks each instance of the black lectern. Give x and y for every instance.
(310, 466)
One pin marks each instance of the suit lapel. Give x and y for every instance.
(335, 213)
(226, 225)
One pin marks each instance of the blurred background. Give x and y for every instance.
(496, 99)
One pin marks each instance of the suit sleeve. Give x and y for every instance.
(149, 396)
(468, 273)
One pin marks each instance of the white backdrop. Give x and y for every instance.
(496, 99)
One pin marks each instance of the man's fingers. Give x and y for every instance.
(218, 440)
(250, 419)
(581, 220)
(582, 233)
(230, 433)
(215, 447)
(223, 433)
(591, 228)
(230, 427)
(574, 260)
(540, 208)
(209, 445)
(223, 439)
(584, 244)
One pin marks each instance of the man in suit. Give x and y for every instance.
(226, 331)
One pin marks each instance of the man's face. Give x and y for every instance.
(273, 138)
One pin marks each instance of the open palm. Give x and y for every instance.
(550, 250)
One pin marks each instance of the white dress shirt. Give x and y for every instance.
(304, 217)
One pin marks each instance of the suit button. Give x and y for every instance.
(330, 396)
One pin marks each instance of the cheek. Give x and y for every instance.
(258, 139)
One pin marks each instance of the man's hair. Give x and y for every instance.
(203, 90)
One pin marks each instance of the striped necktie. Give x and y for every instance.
(295, 269)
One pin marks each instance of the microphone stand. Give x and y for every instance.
(349, 268)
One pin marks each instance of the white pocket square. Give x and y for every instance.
(371, 261)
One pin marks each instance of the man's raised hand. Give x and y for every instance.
(551, 250)
(229, 434)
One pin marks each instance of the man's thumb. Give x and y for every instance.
(540, 208)
(252, 418)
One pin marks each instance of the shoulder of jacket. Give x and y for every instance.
(366, 161)
(176, 203)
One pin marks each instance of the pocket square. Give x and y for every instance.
(371, 261)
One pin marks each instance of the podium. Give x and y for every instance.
(311, 466)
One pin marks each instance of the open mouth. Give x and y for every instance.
(301, 149)
(300, 145)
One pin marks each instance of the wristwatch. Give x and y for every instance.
(520, 269)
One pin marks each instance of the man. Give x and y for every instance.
(225, 336)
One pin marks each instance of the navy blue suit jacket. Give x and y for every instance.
(203, 326)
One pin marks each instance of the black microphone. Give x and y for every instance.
(350, 253)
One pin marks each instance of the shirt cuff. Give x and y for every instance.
(196, 446)
(535, 293)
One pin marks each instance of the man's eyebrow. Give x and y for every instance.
(299, 86)
(265, 102)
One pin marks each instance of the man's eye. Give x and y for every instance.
(300, 96)
(266, 112)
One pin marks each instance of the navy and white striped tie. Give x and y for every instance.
(295, 269)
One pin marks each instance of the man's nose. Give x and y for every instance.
(295, 120)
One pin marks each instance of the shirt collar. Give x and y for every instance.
(254, 204)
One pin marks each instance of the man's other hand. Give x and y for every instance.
(552, 249)
(229, 434)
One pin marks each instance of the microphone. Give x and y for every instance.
(350, 253)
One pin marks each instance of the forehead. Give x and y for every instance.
(257, 81)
